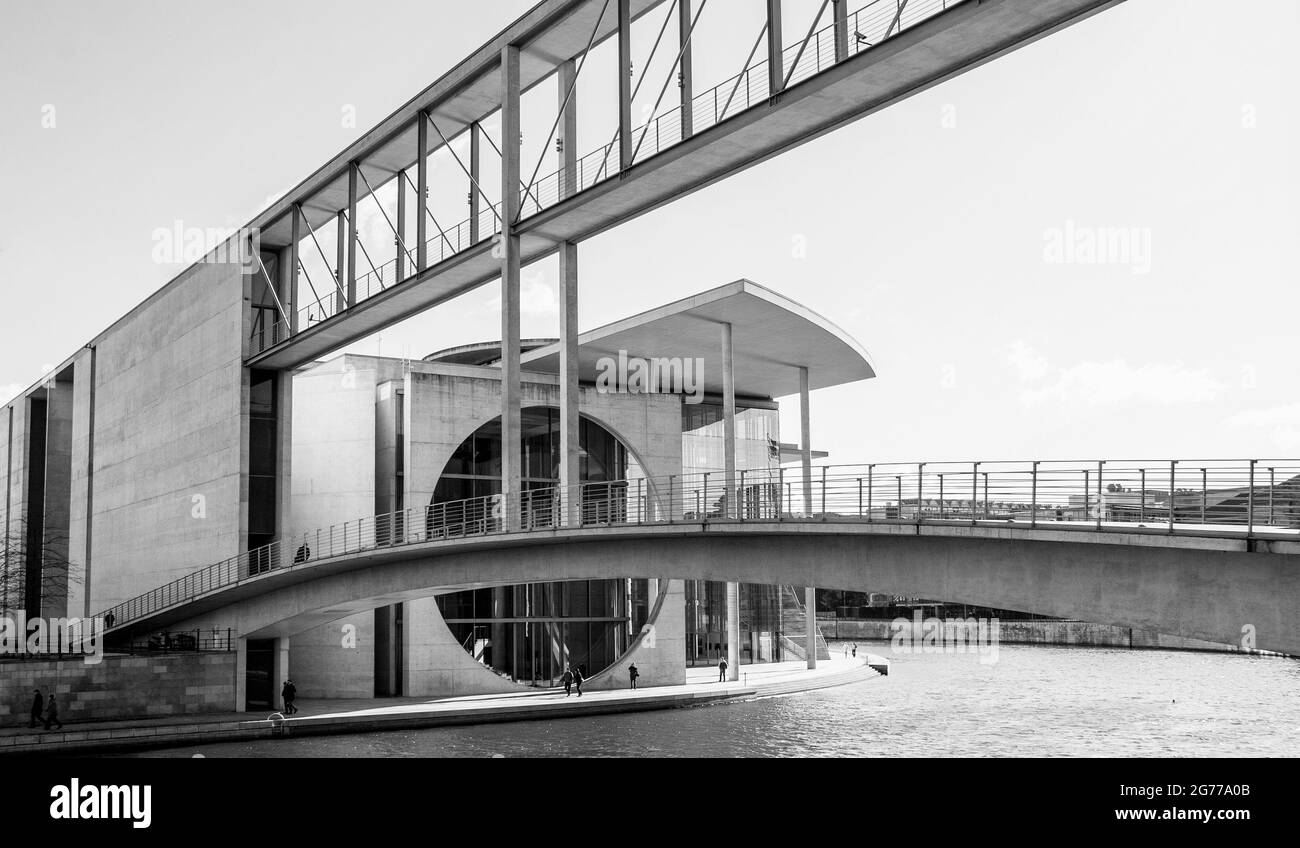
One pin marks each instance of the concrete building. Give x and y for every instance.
(145, 458)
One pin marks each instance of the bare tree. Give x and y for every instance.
(57, 572)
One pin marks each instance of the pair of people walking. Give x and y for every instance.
(46, 712)
(289, 693)
(572, 677)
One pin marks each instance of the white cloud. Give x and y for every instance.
(1029, 364)
(1117, 382)
(1282, 423)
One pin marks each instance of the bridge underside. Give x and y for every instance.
(1203, 590)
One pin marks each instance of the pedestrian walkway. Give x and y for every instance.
(370, 714)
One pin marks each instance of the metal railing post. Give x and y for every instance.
(781, 502)
(859, 497)
(1100, 464)
(920, 489)
(871, 469)
(974, 490)
(1204, 492)
(1272, 483)
(1250, 502)
(704, 507)
(672, 509)
(1173, 482)
(1033, 496)
(1142, 504)
(941, 510)
(740, 501)
(1087, 494)
(823, 493)
(640, 502)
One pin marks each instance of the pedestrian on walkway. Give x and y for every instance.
(38, 707)
(633, 674)
(722, 669)
(52, 713)
(578, 678)
(290, 694)
(567, 680)
(855, 650)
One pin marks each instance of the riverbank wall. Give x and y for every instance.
(1082, 634)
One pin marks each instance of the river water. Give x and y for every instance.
(1033, 701)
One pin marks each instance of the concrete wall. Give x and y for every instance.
(80, 540)
(660, 653)
(58, 498)
(1040, 632)
(445, 403)
(170, 436)
(333, 481)
(335, 660)
(436, 665)
(13, 500)
(120, 686)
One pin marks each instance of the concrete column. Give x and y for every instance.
(686, 71)
(733, 631)
(475, 155)
(624, 84)
(775, 67)
(241, 675)
(280, 672)
(500, 650)
(805, 442)
(810, 620)
(569, 413)
(841, 29)
(511, 468)
(340, 261)
(352, 234)
(728, 426)
(422, 192)
(291, 294)
(284, 459)
(400, 237)
(568, 138)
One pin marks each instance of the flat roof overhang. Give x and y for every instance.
(772, 337)
(944, 46)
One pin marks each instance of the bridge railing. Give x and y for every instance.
(873, 23)
(1251, 498)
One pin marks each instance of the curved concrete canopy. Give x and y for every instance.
(1199, 588)
(772, 336)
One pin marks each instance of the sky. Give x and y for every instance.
(949, 233)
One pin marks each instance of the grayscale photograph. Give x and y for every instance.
(654, 379)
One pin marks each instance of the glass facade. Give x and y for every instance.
(758, 454)
(531, 633)
(772, 623)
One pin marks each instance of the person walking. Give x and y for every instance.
(567, 680)
(633, 674)
(38, 707)
(722, 669)
(578, 678)
(290, 694)
(52, 713)
(855, 650)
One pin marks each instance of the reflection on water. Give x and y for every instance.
(1035, 701)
